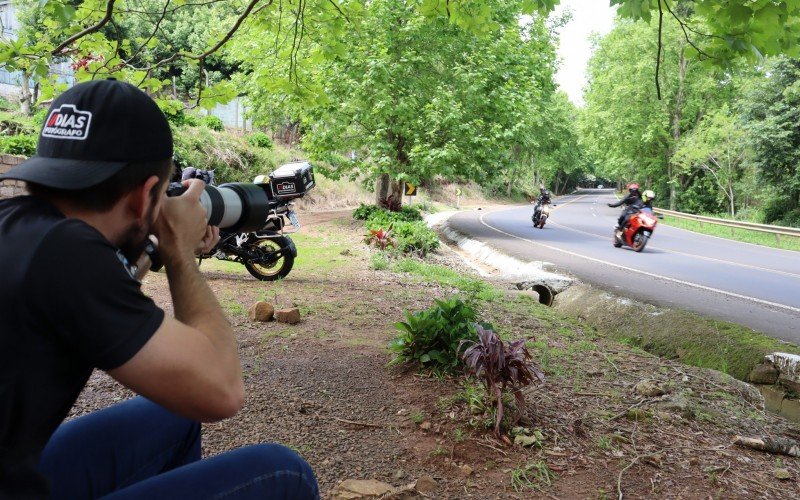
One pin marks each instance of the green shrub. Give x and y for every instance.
(379, 261)
(5, 105)
(212, 122)
(432, 337)
(364, 211)
(415, 237)
(24, 145)
(259, 139)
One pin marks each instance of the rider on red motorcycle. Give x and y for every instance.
(633, 203)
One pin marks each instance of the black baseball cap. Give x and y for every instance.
(91, 132)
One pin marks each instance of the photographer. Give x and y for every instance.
(70, 301)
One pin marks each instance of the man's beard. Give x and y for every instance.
(135, 239)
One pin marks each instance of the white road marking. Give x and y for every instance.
(646, 273)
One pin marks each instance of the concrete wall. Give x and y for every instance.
(10, 188)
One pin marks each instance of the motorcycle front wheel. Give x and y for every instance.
(276, 270)
(616, 241)
(640, 240)
(542, 220)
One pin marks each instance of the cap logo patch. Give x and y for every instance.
(67, 122)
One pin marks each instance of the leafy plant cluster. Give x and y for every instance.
(24, 145)
(405, 225)
(259, 139)
(446, 337)
(500, 366)
(432, 337)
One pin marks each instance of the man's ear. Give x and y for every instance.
(141, 197)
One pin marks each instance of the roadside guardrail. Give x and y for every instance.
(778, 231)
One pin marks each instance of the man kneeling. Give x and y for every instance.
(70, 301)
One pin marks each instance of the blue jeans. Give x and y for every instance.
(136, 449)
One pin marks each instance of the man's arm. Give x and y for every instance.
(620, 202)
(191, 364)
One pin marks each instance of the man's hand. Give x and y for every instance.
(209, 241)
(181, 226)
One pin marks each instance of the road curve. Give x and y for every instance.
(755, 286)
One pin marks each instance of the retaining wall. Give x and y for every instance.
(10, 188)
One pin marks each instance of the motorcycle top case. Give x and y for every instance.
(292, 180)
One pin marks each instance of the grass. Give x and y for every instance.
(471, 288)
(534, 475)
(695, 340)
(745, 235)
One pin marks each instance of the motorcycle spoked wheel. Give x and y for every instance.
(275, 270)
(639, 241)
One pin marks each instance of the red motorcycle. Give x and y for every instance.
(638, 230)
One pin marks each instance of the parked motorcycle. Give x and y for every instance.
(268, 253)
(637, 232)
(541, 215)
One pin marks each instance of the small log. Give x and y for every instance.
(782, 445)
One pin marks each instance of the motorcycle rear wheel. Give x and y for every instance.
(276, 270)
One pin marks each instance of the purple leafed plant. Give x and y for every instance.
(501, 366)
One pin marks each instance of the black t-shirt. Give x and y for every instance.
(67, 305)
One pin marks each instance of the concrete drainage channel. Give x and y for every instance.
(776, 378)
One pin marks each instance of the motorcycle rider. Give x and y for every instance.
(543, 199)
(633, 203)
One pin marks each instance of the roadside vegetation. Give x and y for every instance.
(732, 233)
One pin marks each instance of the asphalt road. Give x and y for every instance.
(747, 284)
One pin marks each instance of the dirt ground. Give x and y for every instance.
(323, 388)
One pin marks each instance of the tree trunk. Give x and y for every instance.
(676, 127)
(388, 192)
(25, 95)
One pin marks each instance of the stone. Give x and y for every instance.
(465, 470)
(764, 373)
(425, 426)
(354, 489)
(648, 388)
(261, 311)
(399, 474)
(782, 474)
(426, 484)
(788, 365)
(290, 316)
(678, 403)
(773, 397)
(746, 391)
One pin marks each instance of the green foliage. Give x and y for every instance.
(259, 139)
(379, 261)
(415, 237)
(212, 122)
(364, 211)
(472, 289)
(24, 145)
(5, 105)
(432, 337)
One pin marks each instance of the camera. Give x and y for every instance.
(242, 207)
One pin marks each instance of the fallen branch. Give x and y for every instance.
(782, 445)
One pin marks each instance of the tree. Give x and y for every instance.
(414, 96)
(718, 146)
(771, 112)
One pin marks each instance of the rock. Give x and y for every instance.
(345, 252)
(648, 388)
(788, 365)
(399, 474)
(353, 489)
(747, 391)
(425, 426)
(261, 311)
(782, 474)
(678, 403)
(765, 373)
(426, 484)
(290, 316)
(465, 470)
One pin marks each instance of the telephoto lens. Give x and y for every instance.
(236, 207)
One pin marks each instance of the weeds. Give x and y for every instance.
(417, 417)
(533, 476)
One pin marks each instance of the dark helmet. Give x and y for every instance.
(545, 192)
